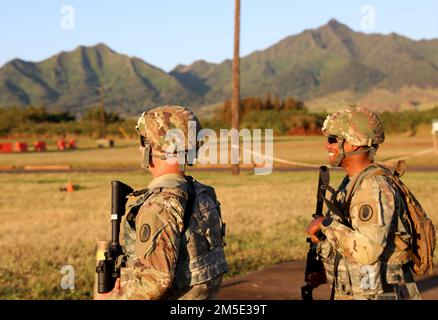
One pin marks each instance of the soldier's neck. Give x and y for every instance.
(355, 164)
(161, 167)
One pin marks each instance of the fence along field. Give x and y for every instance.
(44, 229)
(306, 149)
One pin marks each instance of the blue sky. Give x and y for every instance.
(165, 33)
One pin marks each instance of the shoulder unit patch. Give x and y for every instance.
(145, 232)
(365, 213)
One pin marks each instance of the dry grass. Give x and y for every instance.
(43, 229)
(123, 155)
(297, 148)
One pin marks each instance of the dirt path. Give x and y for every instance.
(284, 282)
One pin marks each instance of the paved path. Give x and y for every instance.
(284, 282)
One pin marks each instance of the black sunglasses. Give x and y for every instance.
(332, 139)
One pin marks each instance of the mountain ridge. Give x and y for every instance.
(332, 58)
(309, 66)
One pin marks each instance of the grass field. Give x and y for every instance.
(43, 229)
(303, 149)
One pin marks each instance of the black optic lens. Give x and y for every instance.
(332, 139)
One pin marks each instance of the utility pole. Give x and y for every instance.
(102, 113)
(235, 169)
(434, 134)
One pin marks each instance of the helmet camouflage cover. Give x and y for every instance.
(359, 126)
(156, 123)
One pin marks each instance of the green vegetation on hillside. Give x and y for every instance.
(289, 116)
(286, 117)
(407, 121)
(72, 81)
(323, 61)
(316, 63)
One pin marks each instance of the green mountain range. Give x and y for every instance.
(71, 81)
(325, 66)
(322, 62)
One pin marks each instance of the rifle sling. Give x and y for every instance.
(334, 206)
(335, 274)
(145, 194)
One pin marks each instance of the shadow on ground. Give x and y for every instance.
(284, 282)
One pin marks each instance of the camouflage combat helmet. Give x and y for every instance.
(358, 126)
(167, 131)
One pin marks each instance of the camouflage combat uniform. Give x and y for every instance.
(371, 256)
(365, 255)
(159, 264)
(171, 255)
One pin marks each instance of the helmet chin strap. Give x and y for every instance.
(146, 157)
(149, 154)
(361, 151)
(182, 166)
(342, 154)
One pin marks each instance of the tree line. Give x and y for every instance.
(287, 117)
(407, 121)
(291, 117)
(38, 121)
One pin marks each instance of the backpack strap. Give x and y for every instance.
(365, 173)
(144, 194)
(133, 210)
(342, 210)
(400, 168)
(190, 202)
(411, 286)
(380, 170)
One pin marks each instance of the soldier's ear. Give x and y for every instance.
(350, 148)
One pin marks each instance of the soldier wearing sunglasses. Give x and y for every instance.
(365, 242)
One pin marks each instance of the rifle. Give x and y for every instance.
(108, 270)
(314, 263)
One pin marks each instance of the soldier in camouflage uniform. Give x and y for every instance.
(173, 230)
(365, 252)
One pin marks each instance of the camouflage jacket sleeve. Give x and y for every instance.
(152, 267)
(372, 212)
